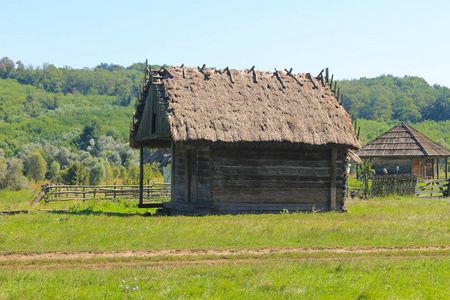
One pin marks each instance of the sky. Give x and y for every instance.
(353, 39)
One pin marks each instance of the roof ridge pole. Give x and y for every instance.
(308, 75)
(182, 71)
(320, 77)
(279, 78)
(252, 69)
(201, 70)
(331, 82)
(326, 75)
(229, 74)
(289, 73)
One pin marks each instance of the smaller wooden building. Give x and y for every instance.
(245, 141)
(404, 150)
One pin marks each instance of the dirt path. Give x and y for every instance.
(174, 253)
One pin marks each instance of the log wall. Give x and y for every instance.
(242, 180)
(191, 176)
(273, 180)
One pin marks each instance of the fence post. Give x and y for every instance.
(148, 189)
(84, 189)
(115, 183)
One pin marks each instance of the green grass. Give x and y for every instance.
(394, 222)
(272, 277)
(16, 200)
(382, 222)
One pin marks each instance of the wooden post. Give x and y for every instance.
(84, 189)
(187, 174)
(446, 168)
(333, 179)
(148, 188)
(424, 171)
(437, 168)
(115, 183)
(141, 176)
(172, 169)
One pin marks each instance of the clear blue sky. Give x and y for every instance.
(353, 38)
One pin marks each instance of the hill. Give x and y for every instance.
(83, 115)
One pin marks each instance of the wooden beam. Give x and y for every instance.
(187, 174)
(437, 167)
(141, 175)
(446, 168)
(333, 179)
(172, 170)
(424, 168)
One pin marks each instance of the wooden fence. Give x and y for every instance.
(433, 188)
(156, 192)
(401, 185)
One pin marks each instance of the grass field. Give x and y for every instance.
(385, 248)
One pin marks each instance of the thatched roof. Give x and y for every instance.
(402, 141)
(253, 108)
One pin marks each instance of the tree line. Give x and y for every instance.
(384, 98)
(72, 125)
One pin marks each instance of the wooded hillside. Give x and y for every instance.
(71, 116)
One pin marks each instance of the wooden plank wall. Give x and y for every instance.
(390, 164)
(192, 166)
(417, 167)
(274, 179)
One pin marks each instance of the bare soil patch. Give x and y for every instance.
(174, 253)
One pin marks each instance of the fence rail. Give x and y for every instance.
(433, 188)
(156, 192)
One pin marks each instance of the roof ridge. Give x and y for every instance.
(407, 128)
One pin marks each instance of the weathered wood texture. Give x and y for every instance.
(275, 179)
(156, 192)
(433, 188)
(191, 176)
(405, 166)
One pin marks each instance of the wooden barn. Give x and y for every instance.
(246, 141)
(404, 150)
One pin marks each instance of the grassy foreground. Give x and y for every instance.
(270, 277)
(103, 226)
(388, 223)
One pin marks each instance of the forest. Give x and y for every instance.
(71, 125)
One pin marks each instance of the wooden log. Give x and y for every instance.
(249, 207)
(227, 70)
(430, 192)
(279, 78)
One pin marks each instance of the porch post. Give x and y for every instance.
(437, 168)
(424, 171)
(141, 176)
(446, 168)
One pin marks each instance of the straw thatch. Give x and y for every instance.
(402, 141)
(253, 108)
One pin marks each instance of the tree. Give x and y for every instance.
(35, 166)
(6, 67)
(90, 131)
(53, 173)
(76, 174)
(14, 179)
(97, 174)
